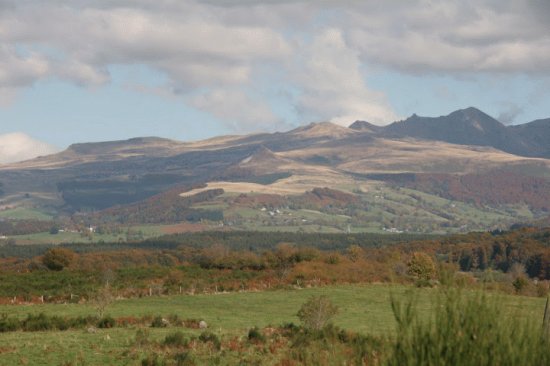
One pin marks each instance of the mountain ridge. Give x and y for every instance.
(468, 126)
(450, 157)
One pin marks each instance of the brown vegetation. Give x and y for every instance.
(516, 261)
(490, 188)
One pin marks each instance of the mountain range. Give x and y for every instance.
(420, 174)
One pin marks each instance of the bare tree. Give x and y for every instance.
(105, 296)
(103, 299)
(317, 312)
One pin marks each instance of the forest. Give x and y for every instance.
(516, 261)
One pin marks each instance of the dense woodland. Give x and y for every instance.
(253, 241)
(167, 207)
(20, 227)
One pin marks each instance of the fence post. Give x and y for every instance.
(546, 320)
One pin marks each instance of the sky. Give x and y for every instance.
(94, 70)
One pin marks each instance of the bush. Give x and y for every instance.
(317, 312)
(520, 283)
(159, 322)
(255, 335)
(35, 323)
(207, 337)
(8, 324)
(184, 358)
(176, 339)
(106, 322)
(56, 259)
(422, 267)
(192, 323)
(43, 322)
(153, 360)
(175, 320)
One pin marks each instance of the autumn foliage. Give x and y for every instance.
(217, 266)
(58, 258)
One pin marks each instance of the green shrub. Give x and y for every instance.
(8, 324)
(209, 337)
(43, 322)
(255, 335)
(465, 329)
(35, 323)
(159, 322)
(184, 359)
(106, 322)
(421, 266)
(153, 360)
(520, 283)
(174, 319)
(176, 339)
(60, 323)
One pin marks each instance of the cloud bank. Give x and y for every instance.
(231, 58)
(18, 146)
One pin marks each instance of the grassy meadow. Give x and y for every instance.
(363, 309)
(23, 213)
(133, 232)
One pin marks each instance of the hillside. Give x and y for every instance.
(464, 171)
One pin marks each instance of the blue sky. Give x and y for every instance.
(85, 70)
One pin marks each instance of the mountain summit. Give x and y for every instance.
(470, 126)
(321, 129)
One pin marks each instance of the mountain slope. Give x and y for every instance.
(442, 160)
(468, 126)
(536, 134)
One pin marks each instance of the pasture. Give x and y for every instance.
(365, 309)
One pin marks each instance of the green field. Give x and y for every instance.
(380, 208)
(22, 213)
(136, 232)
(365, 309)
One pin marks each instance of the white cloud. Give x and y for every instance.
(19, 146)
(82, 73)
(333, 86)
(466, 36)
(213, 53)
(239, 110)
(18, 71)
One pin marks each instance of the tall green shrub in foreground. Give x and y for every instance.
(466, 329)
